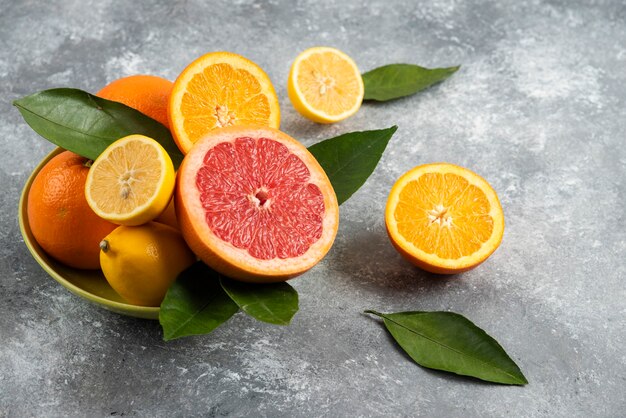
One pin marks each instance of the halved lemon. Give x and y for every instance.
(444, 218)
(220, 89)
(325, 85)
(131, 182)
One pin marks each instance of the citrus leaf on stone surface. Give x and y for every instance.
(275, 303)
(195, 304)
(86, 124)
(398, 80)
(450, 342)
(349, 159)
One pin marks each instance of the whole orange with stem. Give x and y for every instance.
(148, 94)
(60, 219)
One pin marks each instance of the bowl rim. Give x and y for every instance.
(147, 312)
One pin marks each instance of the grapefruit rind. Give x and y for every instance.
(223, 256)
(432, 262)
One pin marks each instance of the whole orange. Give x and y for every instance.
(60, 219)
(148, 94)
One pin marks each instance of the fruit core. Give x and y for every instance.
(223, 116)
(259, 197)
(439, 215)
(325, 83)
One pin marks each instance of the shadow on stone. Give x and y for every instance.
(369, 260)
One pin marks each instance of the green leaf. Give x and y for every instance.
(398, 80)
(450, 342)
(86, 124)
(195, 304)
(275, 303)
(349, 159)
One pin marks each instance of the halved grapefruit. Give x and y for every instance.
(255, 205)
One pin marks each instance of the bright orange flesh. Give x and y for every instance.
(217, 90)
(444, 218)
(255, 205)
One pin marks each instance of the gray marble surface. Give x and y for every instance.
(538, 109)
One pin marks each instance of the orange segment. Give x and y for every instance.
(325, 85)
(444, 218)
(217, 90)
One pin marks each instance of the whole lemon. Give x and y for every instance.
(141, 262)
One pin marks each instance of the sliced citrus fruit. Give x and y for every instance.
(220, 89)
(444, 218)
(325, 85)
(131, 182)
(255, 205)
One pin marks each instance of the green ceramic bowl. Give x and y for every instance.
(88, 284)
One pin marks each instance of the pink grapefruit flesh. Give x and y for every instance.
(255, 205)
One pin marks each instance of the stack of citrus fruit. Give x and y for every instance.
(248, 200)
(251, 201)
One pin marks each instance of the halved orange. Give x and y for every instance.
(220, 89)
(444, 218)
(255, 205)
(325, 85)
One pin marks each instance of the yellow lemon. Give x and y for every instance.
(141, 262)
(325, 85)
(131, 182)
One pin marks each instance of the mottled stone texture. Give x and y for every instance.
(538, 108)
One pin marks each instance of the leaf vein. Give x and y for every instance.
(453, 349)
(59, 124)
